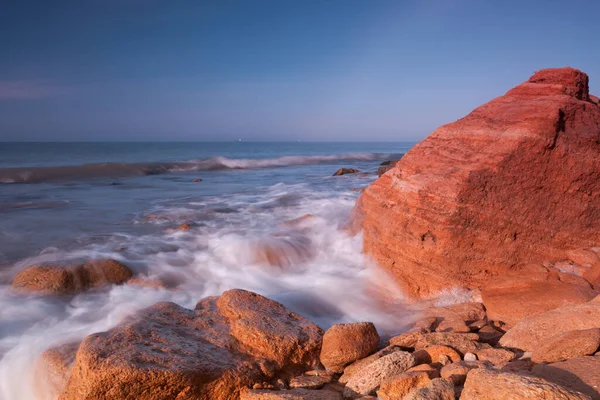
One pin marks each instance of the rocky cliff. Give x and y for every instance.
(514, 183)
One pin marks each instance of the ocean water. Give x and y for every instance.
(61, 202)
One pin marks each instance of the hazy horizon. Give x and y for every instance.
(334, 71)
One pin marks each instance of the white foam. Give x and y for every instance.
(334, 283)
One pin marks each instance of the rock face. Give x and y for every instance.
(485, 384)
(534, 331)
(512, 183)
(71, 280)
(345, 343)
(165, 351)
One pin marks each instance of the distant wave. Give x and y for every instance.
(119, 170)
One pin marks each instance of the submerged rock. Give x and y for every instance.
(510, 184)
(166, 351)
(386, 166)
(71, 280)
(345, 171)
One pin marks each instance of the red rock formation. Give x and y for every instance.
(514, 182)
(168, 352)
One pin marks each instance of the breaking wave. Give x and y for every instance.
(119, 170)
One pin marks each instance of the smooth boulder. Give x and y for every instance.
(345, 343)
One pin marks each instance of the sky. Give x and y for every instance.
(329, 70)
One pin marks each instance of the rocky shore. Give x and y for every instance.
(503, 204)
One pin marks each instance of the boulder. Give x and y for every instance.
(399, 386)
(511, 184)
(281, 251)
(496, 356)
(567, 345)
(436, 354)
(486, 384)
(536, 330)
(581, 374)
(510, 299)
(165, 351)
(457, 372)
(490, 335)
(50, 279)
(437, 389)
(345, 343)
(345, 171)
(294, 394)
(366, 381)
(356, 366)
(431, 371)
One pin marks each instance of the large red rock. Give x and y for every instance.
(168, 352)
(512, 183)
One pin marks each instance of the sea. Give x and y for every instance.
(64, 202)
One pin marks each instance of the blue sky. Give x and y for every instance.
(274, 70)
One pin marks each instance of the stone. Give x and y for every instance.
(461, 342)
(345, 171)
(314, 379)
(518, 366)
(366, 381)
(567, 345)
(185, 227)
(431, 371)
(490, 335)
(536, 330)
(510, 299)
(437, 389)
(399, 386)
(581, 374)
(58, 280)
(510, 184)
(433, 354)
(356, 366)
(465, 312)
(228, 343)
(470, 357)
(486, 384)
(497, 357)
(197, 180)
(386, 166)
(457, 372)
(452, 325)
(294, 394)
(345, 343)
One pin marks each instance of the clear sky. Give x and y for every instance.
(274, 70)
